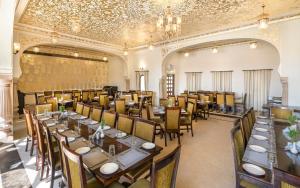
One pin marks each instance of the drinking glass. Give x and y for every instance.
(112, 151)
(46, 112)
(133, 142)
(271, 160)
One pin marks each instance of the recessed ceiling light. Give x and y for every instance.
(104, 58)
(214, 50)
(253, 45)
(151, 47)
(76, 54)
(36, 49)
(186, 54)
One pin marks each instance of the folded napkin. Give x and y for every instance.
(93, 158)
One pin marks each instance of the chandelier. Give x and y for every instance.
(169, 24)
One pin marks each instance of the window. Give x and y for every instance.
(142, 80)
(142, 83)
(222, 80)
(193, 81)
(170, 84)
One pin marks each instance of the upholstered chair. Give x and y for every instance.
(86, 110)
(163, 102)
(41, 108)
(135, 98)
(181, 102)
(172, 123)
(285, 180)
(58, 94)
(220, 100)
(253, 114)
(54, 102)
(137, 112)
(172, 98)
(163, 173)
(109, 118)
(79, 108)
(103, 101)
(77, 94)
(96, 114)
(120, 106)
(48, 93)
(230, 102)
(85, 96)
(152, 117)
(281, 113)
(125, 123)
(31, 134)
(245, 127)
(186, 123)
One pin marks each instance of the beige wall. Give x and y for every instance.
(40, 73)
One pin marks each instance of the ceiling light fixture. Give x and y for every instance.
(76, 54)
(150, 45)
(17, 47)
(104, 58)
(253, 45)
(36, 49)
(263, 21)
(186, 54)
(169, 24)
(214, 50)
(125, 51)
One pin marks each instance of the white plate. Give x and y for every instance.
(60, 130)
(51, 124)
(71, 139)
(259, 137)
(262, 117)
(261, 129)
(262, 122)
(92, 122)
(253, 169)
(109, 168)
(82, 117)
(148, 145)
(44, 118)
(106, 127)
(82, 150)
(258, 148)
(121, 135)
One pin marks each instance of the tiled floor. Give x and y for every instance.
(206, 159)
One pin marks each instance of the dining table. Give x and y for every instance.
(267, 149)
(129, 151)
(160, 111)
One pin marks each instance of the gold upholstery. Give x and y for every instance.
(239, 145)
(85, 96)
(29, 99)
(193, 96)
(229, 99)
(164, 175)
(79, 108)
(172, 99)
(172, 118)
(57, 94)
(251, 123)
(163, 102)
(39, 109)
(253, 115)
(66, 96)
(96, 114)
(29, 123)
(53, 101)
(144, 130)
(103, 100)
(281, 113)
(77, 94)
(204, 97)
(109, 118)
(126, 97)
(246, 184)
(41, 99)
(181, 101)
(246, 128)
(220, 98)
(86, 111)
(125, 124)
(135, 98)
(188, 119)
(120, 106)
(91, 95)
(141, 183)
(194, 101)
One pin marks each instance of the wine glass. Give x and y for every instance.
(112, 151)
(133, 142)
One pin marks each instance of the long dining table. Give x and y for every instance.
(129, 153)
(276, 155)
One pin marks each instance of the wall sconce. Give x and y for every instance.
(214, 50)
(17, 47)
(142, 67)
(253, 45)
(36, 49)
(186, 54)
(104, 58)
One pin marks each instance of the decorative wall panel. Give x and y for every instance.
(40, 73)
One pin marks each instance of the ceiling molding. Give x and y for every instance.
(20, 8)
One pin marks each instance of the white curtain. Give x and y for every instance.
(145, 80)
(257, 87)
(222, 80)
(193, 81)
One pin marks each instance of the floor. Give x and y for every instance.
(206, 159)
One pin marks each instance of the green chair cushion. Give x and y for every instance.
(246, 184)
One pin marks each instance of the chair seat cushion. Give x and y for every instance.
(134, 110)
(246, 184)
(184, 121)
(135, 173)
(141, 183)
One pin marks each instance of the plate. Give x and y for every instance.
(60, 130)
(259, 137)
(109, 168)
(106, 127)
(82, 117)
(253, 169)
(261, 129)
(258, 149)
(92, 122)
(82, 150)
(148, 145)
(44, 118)
(262, 122)
(262, 117)
(121, 135)
(71, 139)
(51, 124)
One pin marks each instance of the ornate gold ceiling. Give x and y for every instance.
(133, 21)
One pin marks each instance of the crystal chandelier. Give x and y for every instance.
(169, 24)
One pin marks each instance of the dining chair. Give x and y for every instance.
(125, 123)
(245, 128)
(77, 94)
(57, 94)
(172, 123)
(40, 147)
(163, 102)
(109, 118)
(285, 180)
(91, 95)
(85, 95)
(194, 101)
(41, 108)
(41, 99)
(181, 102)
(220, 101)
(48, 93)
(31, 133)
(152, 117)
(186, 123)
(253, 114)
(66, 96)
(97, 114)
(251, 122)
(53, 159)
(103, 101)
(150, 98)
(54, 102)
(230, 102)
(135, 98)
(163, 172)
(126, 97)
(193, 96)
(86, 110)
(238, 148)
(172, 99)
(137, 112)
(79, 108)
(120, 107)
(76, 177)
(281, 113)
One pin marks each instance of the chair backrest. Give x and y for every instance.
(245, 128)
(126, 97)
(194, 101)
(120, 106)
(79, 108)
(41, 99)
(57, 94)
(172, 98)
(163, 102)
(40, 136)
(29, 123)
(251, 123)
(30, 99)
(285, 180)
(193, 96)
(67, 96)
(135, 97)
(172, 118)
(282, 113)
(253, 115)
(229, 98)
(181, 101)
(86, 110)
(75, 170)
(41, 108)
(48, 93)
(103, 101)
(150, 114)
(62, 139)
(220, 98)
(204, 97)
(54, 102)
(91, 95)
(190, 110)
(125, 123)
(109, 118)
(85, 96)
(77, 94)
(144, 129)
(97, 113)
(238, 147)
(50, 146)
(164, 170)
